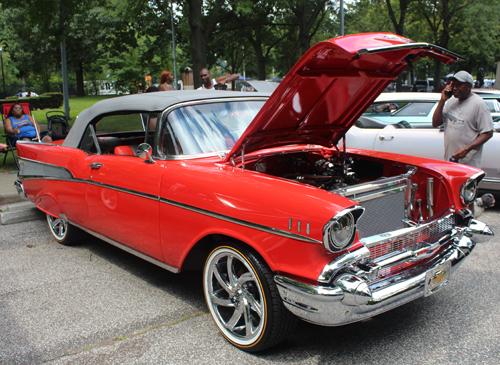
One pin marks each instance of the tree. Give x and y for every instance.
(445, 20)
(309, 15)
(201, 28)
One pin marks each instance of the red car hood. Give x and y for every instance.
(330, 87)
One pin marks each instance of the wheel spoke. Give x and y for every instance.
(61, 228)
(249, 327)
(246, 277)
(230, 275)
(226, 286)
(234, 318)
(55, 223)
(221, 301)
(254, 304)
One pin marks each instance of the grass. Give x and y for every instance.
(10, 164)
(76, 105)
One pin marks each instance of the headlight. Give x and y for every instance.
(468, 192)
(339, 233)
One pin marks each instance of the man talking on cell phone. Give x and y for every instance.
(468, 125)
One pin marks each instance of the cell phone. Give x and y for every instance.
(449, 93)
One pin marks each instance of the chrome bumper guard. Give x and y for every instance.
(20, 189)
(352, 292)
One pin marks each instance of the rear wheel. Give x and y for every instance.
(243, 299)
(63, 232)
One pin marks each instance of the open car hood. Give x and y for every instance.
(330, 87)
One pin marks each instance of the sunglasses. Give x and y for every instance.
(220, 87)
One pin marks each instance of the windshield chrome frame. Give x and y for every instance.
(164, 117)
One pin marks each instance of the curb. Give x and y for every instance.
(19, 212)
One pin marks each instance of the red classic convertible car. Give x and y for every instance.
(255, 190)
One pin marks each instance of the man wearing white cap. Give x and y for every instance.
(467, 123)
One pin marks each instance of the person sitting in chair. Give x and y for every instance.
(23, 126)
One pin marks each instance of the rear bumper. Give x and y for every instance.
(350, 297)
(20, 189)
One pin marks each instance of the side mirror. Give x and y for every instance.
(144, 152)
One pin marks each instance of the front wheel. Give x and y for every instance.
(243, 299)
(62, 231)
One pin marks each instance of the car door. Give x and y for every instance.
(420, 142)
(123, 193)
(490, 164)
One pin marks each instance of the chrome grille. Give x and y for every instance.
(416, 240)
(384, 214)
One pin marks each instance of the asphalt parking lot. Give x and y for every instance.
(95, 304)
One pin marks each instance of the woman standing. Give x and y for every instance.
(166, 80)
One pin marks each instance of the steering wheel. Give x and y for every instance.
(403, 124)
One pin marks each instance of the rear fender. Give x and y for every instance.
(48, 204)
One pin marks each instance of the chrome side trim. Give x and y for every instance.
(226, 218)
(240, 222)
(28, 167)
(128, 249)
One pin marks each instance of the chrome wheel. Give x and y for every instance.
(235, 296)
(58, 227)
(63, 232)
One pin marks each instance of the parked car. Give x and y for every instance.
(256, 85)
(422, 142)
(425, 85)
(414, 108)
(252, 189)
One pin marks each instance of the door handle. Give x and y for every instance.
(383, 138)
(95, 165)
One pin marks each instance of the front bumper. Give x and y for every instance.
(350, 296)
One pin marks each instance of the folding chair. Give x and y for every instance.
(11, 140)
(57, 124)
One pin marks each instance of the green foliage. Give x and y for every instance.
(44, 101)
(122, 41)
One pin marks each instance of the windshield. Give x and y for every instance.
(207, 128)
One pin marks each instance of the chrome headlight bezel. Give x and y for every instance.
(469, 189)
(340, 231)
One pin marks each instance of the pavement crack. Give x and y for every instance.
(117, 339)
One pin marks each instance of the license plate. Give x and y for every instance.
(436, 278)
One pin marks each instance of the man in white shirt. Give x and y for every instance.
(215, 84)
(468, 125)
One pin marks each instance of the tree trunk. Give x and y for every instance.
(437, 75)
(198, 43)
(80, 90)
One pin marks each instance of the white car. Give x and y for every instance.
(417, 108)
(423, 142)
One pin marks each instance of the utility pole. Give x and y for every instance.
(3, 76)
(173, 43)
(341, 17)
(64, 65)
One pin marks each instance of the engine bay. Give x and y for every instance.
(407, 194)
(329, 172)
